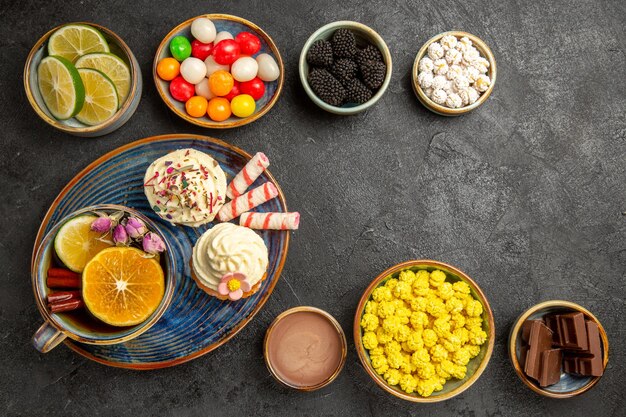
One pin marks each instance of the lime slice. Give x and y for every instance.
(101, 101)
(72, 41)
(112, 66)
(75, 243)
(60, 86)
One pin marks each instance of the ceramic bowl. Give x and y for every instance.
(79, 325)
(475, 367)
(569, 385)
(234, 25)
(443, 110)
(332, 320)
(73, 126)
(364, 36)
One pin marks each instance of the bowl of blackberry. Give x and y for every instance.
(345, 67)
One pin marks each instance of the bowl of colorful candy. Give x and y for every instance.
(82, 79)
(345, 67)
(559, 349)
(218, 71)
(424, 331)
(454, 73)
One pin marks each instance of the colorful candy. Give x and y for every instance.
(193, 70)
(270, 221)
(203, 30)
(168, 69)
(203, 89)
(247, 201)
(244, 69)
(250, 172)
(243, 105)
(222, 36)
(255, 88)
(219, 109)
(212, 66)
(249, 44)
(181, 90)
(180, 48)
(201, 50)
(234, 92)
(221, 82)
(196, 106)
(226, 52)
(268, 68)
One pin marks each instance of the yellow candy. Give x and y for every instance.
(395, 359)
(378, 351)
(382, 294)
(420, 284)
(461, 287)
(406, 366)
(408, 383)
(452, 343)
(369, 322)
(458, 320)
(427, 371)
(402, 290)
(430, 337)
(474, 350)
(369, 340)
(477, 336)
(419, 303)
(380, 365)
(462, 334)
(420, 358)
(437, 278)
(474, 308)
(414, 341)
(407, 276)
(383, 337)
(461, 356)
(371, 307)
(435, 307)
(459, 371)
(445, 369)
(392, 324)
(392, 376)
(442, 326)
(419, 320)
(425, 388)
(391, 284)
(403, 333)
(445, 291)
(438, 353)
(386, 309)
(473, 322)
(403, 313)
(392, 346)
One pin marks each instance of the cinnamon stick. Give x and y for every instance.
(60, 296)
(62, 273)
(66, 306)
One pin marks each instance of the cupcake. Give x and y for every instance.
(185, 187)
(229, 261)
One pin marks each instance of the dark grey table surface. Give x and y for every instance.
(525, 194)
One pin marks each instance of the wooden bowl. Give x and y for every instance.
(443, 110)
(234, 25)
(569, 385)
(364, 36)
(475, 367)
(73, 126)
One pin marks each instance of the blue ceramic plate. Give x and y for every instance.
(195, 323)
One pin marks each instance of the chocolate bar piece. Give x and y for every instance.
(569, 330)
(539, 340)
(550, 367)
(589, 361)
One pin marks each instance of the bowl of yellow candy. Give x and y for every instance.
(424, 331)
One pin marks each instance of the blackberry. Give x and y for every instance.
(320, 54)
(326, 87)
(373, 74)
(369, 53)
(344, 43)
(344, 69)
(357, 92)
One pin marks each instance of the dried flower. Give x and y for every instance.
(234, 285)
(152, 243)
(120, 237)
(135, 227)
(102, 224)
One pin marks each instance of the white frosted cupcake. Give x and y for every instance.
(229, 261)
(185, 187)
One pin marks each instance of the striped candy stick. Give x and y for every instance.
(244, 178)
(270, 221)
(247, 201)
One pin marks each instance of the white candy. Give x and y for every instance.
(448, 42)
(464, 94)
(221, 36)
(454, 101)
(425, 79)
(482, 83)
(470, 55)
(202, 89)
(472, 74)
(203, 30)
(212, 66)
(428, 91)
(461, 83)
(426, 64)
(244, 69)
(453, 56)
(193, 70)
(439, 96)
(454, 71)
(439, 82)
(466, 41)
(268, 68)
(435, 51)
(482, 65)
(441, 67)
(473, 95)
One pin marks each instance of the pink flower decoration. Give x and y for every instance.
(234, 284)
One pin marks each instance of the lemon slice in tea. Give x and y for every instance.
(122, 286)
(60, 86)
(75, 243)
(72, 41)
(101, 100)
(112, 66)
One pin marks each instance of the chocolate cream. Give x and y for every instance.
(304, 349)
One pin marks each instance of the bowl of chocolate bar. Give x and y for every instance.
(558, 349)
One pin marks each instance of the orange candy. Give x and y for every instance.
(196, 106)
(221, 82)
(168, 69)
(219, 109)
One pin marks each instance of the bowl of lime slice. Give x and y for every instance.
(82, 78)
